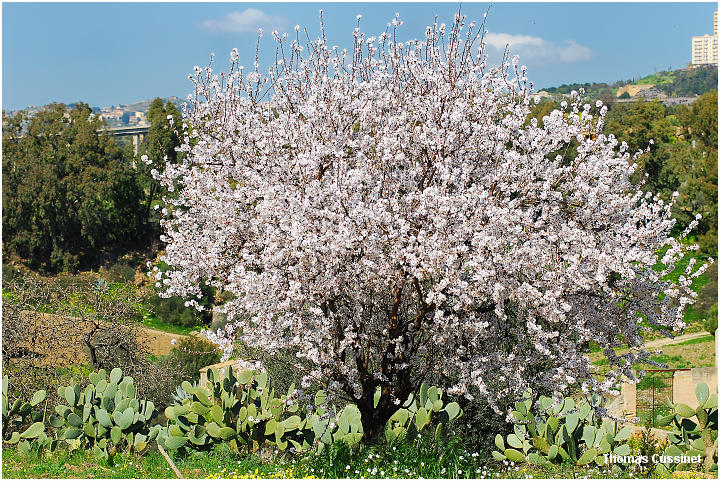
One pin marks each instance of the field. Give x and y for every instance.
(410, 460)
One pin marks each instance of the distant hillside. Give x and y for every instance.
(677, 83)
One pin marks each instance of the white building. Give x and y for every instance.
(705, 48)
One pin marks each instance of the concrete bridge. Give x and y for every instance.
(137, 132)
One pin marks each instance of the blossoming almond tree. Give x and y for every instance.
(388, 214)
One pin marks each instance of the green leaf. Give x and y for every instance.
(320, 398)
(585, 410)
(514, 441)
(515, 456)
(72, 433)
(244, 376)
(202, 395)
(422, 418)
(453, 410)
(535, 458)
(702, 392)
(115, 376)
(115, 435)
(684, 410)
(498, 457)
(213, 430)
(702, 416)
(38, 397)
(74, 420)
(14, 438)
(499, 442)
(553, 452)
(673, 450)
(571, 421)
(665, 420)
(541, 444)
(174, 442)
(589, 433)
(217, 414)
(103, 417)
(622, 450)
(587, 457)
(624, 434)
(199, 408)
(226, 434)
(70, 396)
(261, 379)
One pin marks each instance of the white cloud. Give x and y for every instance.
(535, 50)
(247, 21)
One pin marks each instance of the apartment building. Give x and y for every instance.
(705, 48)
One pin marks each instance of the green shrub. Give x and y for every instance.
(698, 437)
(479, 424)
(242, 410)
(712, 321)
(566, 432)
(192, 354)
(173, 311)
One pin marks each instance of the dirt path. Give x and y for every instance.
(159, 342)
(667, 341)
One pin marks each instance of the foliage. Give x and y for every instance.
(645, 445)
(693, 438)
(480, 423)
(61, 329)
(20, 416)
(105, 416)
(711, 322)
(192, 354)
(682, 158)
(242, 410)
(395, 219)
(417, 414)
(159, 144)
(561, 432)
(67, 196)
(691, 82)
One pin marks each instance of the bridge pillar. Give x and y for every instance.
(136, 143)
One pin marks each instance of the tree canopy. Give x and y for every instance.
(67, 194)
(389, 216)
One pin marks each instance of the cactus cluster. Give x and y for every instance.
(19, 414)
(694, 431)
(242, 410)
(416, 415)
(105, 416)
(561, 432)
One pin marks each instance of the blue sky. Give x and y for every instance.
(117, 53)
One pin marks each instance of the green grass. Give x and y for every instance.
(160, 325)
(83, 464)
(697, 340)
(657, 78)
(410, 459)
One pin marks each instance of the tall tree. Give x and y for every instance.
(67, 194)
(160, 145)
(389, 217)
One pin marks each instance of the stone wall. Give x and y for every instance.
(685, 382)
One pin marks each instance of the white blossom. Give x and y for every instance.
(388, 213)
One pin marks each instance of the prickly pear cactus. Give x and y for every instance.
(694, 431)
(19, 415)
(105, 416)
(418, 415)
(561, 432)
(241, 409)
